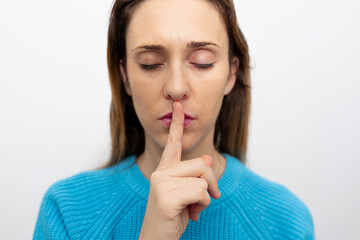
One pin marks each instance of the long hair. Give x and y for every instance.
(127, 133)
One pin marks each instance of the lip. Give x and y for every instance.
(169, 115)
(166, 119)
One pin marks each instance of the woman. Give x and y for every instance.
(179, 74)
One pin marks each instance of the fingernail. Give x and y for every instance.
(174, 106)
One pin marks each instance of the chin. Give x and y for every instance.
(188, 144)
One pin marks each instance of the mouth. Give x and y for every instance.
(166, 119)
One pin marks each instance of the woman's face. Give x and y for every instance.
(168, 59)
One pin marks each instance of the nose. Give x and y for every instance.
(176, 85)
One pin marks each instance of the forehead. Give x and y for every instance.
(176, 22)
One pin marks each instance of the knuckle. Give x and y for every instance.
(172, 137)
(207, 199)
(203, 183)
(198, 191)
(157, 178)
(154, 176)
(201, 163)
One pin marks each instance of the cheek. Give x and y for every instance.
(145, 98)
(211, 108)
(211, 95)
(142, 88)
(211, 91)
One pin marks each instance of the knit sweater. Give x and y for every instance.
(110, 203)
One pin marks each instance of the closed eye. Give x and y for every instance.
(203, 66)
(149, 67)
(199, 66)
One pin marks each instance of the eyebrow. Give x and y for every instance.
(191, 44)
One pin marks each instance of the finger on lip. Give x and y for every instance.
(173, 148)
(169, 115)
(178, 119)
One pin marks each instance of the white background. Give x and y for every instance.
(305, 122)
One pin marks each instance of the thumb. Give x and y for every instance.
(208, 159)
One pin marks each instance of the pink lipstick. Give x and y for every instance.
(166, 119)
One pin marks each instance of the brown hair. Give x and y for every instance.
(127, 134)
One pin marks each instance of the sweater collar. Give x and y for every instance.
(141, 185)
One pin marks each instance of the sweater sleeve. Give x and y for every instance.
(290, 217)
(311, 228)
(50, 223)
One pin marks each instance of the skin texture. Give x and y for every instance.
(173, 24)
(179, 189)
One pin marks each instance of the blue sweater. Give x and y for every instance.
(110, 204)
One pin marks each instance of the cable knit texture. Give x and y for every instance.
(110, 204)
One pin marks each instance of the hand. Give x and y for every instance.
(179, 190)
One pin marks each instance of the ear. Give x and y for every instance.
(124, 78)
(232, 75)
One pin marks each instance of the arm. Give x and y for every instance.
(311, 230)
(50, 223)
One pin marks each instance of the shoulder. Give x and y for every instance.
(86, 185)
(279, 209)
(80, 201)
(82, 182)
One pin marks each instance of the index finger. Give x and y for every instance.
(173, 148)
